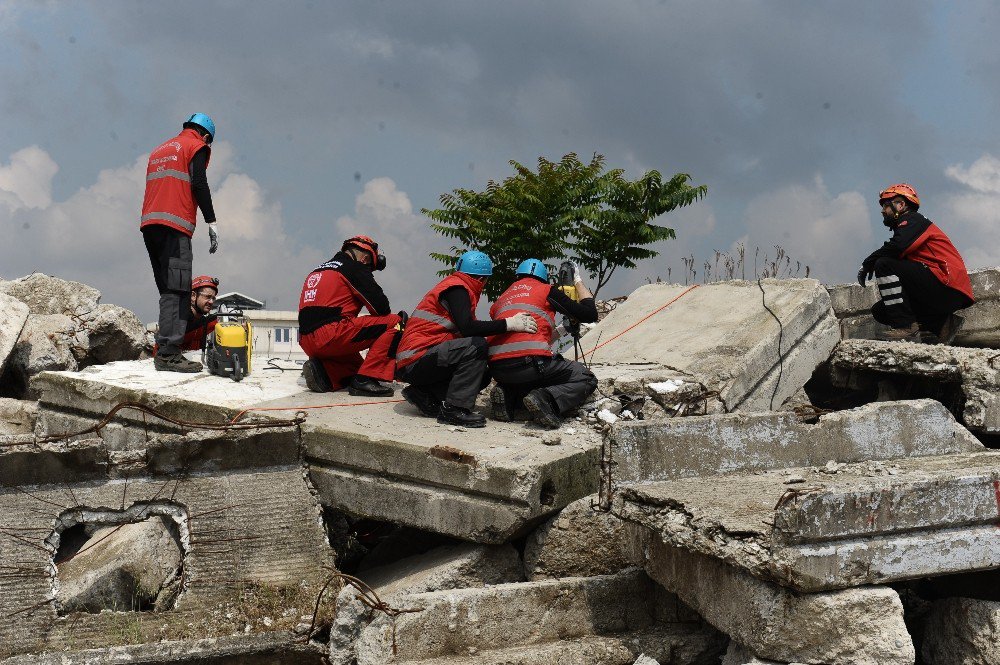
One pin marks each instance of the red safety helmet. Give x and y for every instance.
(901, 189)
(201, 281)
(366, 244)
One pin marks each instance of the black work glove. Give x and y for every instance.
(862, 276)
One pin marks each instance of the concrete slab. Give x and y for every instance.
(862, 626)
(721, 337)
(962, 630)
(255, 558)
(371, 458)
(852, 304)
(969, 376)
(833, 527)
(718, 444)
(15, 314)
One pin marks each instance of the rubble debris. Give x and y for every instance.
(737, 654)
(467, 622)
(779, 624)
(15, 315)
(718, 336)
(962, 630)
(969, 379)
(717, 444)
(643, 659)
(580, 542)
(852, 304)
(936, 516)
(44, 294)
(128, 567)
(17, 416)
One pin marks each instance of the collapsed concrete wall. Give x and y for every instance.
(718, 337)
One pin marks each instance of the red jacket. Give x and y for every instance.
(530, 295)
(337, 290)
(935, 250)
(430, 323)
(169, 199)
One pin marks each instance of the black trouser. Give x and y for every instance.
(170, 255)
(453, 371)
(568, 382)
(911, 293)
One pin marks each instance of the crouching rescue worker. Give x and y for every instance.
(522, 363)
(442, 354)
(921, 277)
(204, 290)
(332, 333)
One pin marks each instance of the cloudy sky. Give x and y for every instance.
(337, 118)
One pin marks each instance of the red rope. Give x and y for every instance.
(645, 318)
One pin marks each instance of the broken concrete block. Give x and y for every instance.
(579, 542)
(737, 654)
(833, 527)
(861, 626)
(852, 304)
(962, 630)
(710, 445)
(25, 461)
(643, 659)
(17, 416)
(473, 621)
(15, 314)
(113, 333)
(720, 337)
(47, 343)
(968, 376)
(44, 294)
(126, 567)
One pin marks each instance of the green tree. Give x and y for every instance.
(565, 209)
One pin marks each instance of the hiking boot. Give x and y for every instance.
(315, 376)
(911, 334)
(426, 403)
(456, 415)
(499, 408)
(175, 362)
(543, 409)
(365, 386)
(950, 328)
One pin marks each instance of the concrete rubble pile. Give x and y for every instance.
(707, 506)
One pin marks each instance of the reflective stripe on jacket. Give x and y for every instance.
(169, 199)
(430, 323)
(525, 295)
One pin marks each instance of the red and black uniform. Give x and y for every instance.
(199, 327)
(443, 349)
(921, 276)
(331, 329)
(176, 186)
(521, 361)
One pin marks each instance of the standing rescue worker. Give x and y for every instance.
(921, 276)
(176, 187)
(442, 354)
(332, 333)
(523, 364)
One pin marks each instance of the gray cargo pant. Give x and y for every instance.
(453, 371)
(568, 382)
(171, 258)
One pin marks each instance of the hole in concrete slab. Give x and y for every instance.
(128, 560)
(360, 543)
(548, 494)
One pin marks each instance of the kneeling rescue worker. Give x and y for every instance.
(332, 333)
(523, 364)
(201, 321)
(921, 276)
(442, 354)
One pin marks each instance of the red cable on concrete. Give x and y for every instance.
(648, 316)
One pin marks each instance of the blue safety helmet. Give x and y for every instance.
(475, 263)
(533, 268)
(204, 121)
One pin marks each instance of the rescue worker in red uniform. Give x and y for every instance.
(523, 364)
(204, 289)
(442, 353)
(921, 277)
(332, 333)
(176, 187)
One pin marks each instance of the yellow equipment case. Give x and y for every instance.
(230, 348)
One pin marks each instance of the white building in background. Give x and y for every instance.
(275, 332)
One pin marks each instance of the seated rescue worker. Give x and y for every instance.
(442, 353)
(201, 321)
(921, 276)
(523, 363)
(332, 333)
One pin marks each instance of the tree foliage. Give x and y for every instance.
(564, 210)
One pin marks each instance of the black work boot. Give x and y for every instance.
(366, 386)
(315, 376)
(499, 408)
(543, 409)
(911, 334)
(426, 403)
(456, 415)
(176, 362)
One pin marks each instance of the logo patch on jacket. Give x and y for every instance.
(903, 223)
